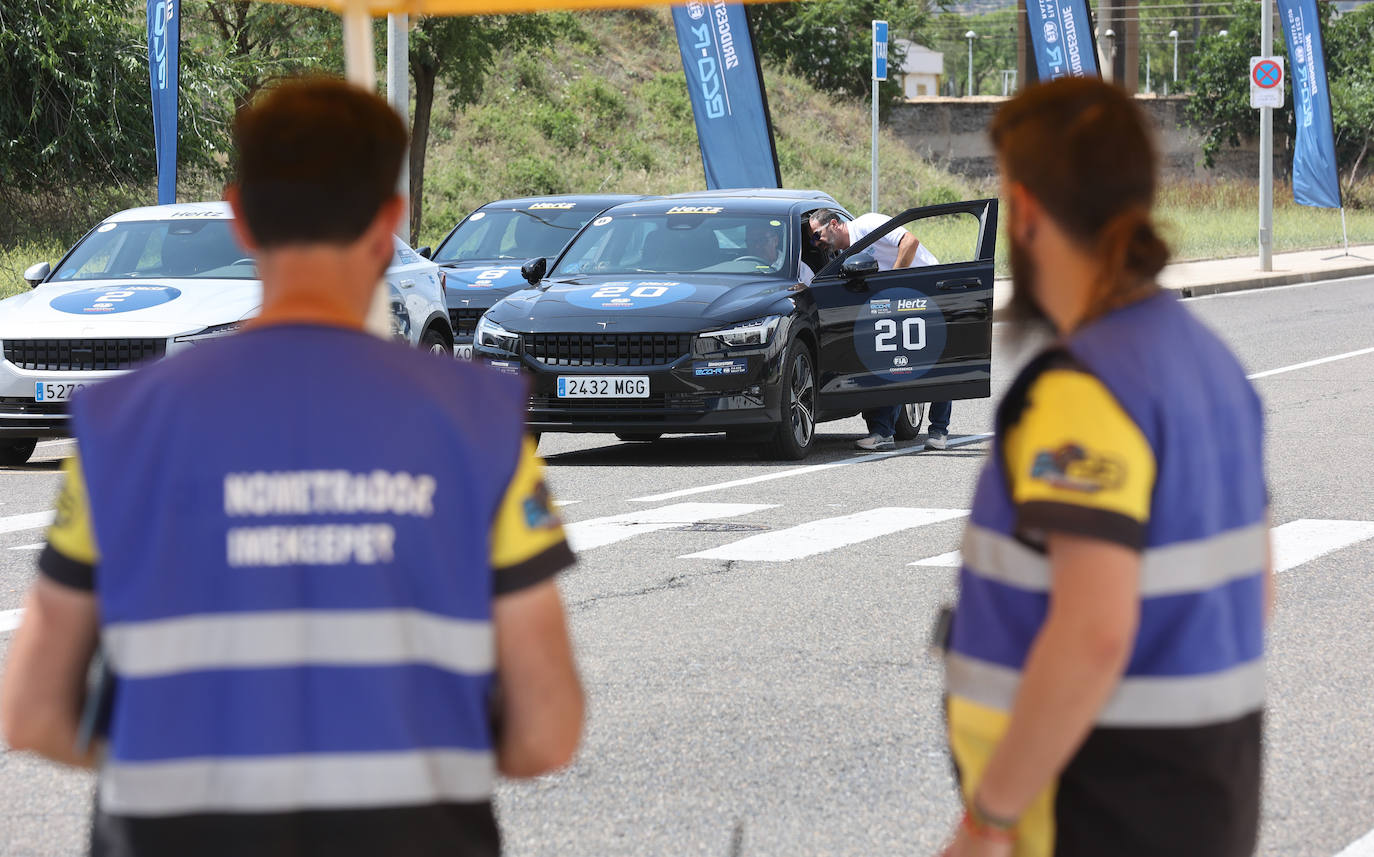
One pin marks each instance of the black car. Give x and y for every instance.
(481, 257)
(664, 315)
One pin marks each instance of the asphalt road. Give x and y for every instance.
(772, 695)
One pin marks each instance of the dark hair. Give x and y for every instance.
(1081, 148)
(317, 158)
(825, 215)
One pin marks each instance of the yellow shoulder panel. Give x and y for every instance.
(71, 534)
(526, 525)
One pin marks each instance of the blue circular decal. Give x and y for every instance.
(901, 335)
(485, 278)
(112, 299)
(640, 294)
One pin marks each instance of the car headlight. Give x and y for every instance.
(214, 331)
(493, 335)
(749, 334)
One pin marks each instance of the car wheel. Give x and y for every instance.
(909, 421)
(17, 451)
(796, 432)
(434, 343)
(644, 436)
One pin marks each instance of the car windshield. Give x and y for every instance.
(165, 249)
(512, 234)
(701, 240)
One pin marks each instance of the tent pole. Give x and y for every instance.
(360, 66)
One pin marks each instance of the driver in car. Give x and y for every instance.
(897, 249)
(764, 241)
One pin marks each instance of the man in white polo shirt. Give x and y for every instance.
(897, 249)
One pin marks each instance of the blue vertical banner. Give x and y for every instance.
(1315, 179)
(164, 61)
(1061, 35)
(725, 83)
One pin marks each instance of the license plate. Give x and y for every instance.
(462, 352)
(54, 391)
(603, 386)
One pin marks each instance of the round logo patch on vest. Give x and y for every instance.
(113, 299)
(901, 335)
(643, 294)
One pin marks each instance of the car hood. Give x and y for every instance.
(481, 285)
(661, 303)
(127, 308)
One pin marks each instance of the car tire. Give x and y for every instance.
(17, 451)
(434, 343)
(639, 436)
(909, 421)
(796, 431)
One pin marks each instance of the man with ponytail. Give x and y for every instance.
(1104, 666)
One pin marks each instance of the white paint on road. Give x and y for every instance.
(1318, 362)
(38, 546)
(953, 559)
(954, 441)
(1362, 847)
(598, 532)
(827, 534)
(30, 521)
(1298, 542)
(10, 619)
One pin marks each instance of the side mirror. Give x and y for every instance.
(859, 265)
(36, 274)
(533, 270)
(425, 252)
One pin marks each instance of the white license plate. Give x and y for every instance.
(603, 386)
(54, 391)
(462, 352)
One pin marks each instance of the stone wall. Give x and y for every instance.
(952, 132)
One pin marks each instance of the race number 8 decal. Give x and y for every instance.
(886, 334)
(639, 292)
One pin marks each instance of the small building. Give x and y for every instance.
(921, 70)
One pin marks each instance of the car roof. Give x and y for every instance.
(596, 201)
(182, 210)
(737, 200)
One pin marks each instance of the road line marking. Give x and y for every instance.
(953, 559)
(10, 619)
(1317, 362)
(31, 521)
(826, 534)
(1362, 847)
(961, 440)
(561, 503)
(598, 532)
(1298, 542)
(57, 442)
(35, 547)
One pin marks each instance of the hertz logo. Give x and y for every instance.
(696, 209)
(544, 206)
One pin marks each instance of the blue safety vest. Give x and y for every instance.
(1198, 656)
(294, 573)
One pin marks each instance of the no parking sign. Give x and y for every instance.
(1266, 81)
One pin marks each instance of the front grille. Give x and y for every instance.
(464, 320)
(28, 407)
(606, 349)
(659, 407)
(82, 355)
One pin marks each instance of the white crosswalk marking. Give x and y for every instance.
(9, 619)
(953, 559)
(31, 521)
(33, 547)
(1362, 847)
(1298, 542)
(827, 534)
(598, 532)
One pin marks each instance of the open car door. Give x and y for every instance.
(918, 334)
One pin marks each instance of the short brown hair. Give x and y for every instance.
(316, 160)
(1081, 148)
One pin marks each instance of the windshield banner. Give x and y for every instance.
(164, 36)
(1061, 34)
(728, 101)
(1315, 180)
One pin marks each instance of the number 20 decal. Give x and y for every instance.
(886, 328)
(640, 292)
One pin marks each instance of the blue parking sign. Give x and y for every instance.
(880, 50)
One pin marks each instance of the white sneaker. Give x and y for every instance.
(875, 443)
(937, 441)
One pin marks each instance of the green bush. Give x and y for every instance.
(528, 175)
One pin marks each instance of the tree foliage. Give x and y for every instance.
(829, 42)
(1350, 66)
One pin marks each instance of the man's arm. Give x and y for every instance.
(540, 718)
(1075, 664)
(44, 684)
(906, 250)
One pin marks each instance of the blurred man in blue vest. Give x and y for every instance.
(1105, 670)
(319, 565)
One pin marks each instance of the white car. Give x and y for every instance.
(145, 283)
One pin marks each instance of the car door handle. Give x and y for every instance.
(406, 284)
(965, 283)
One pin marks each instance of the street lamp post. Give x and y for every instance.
(1173, 34)
(970, 35)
